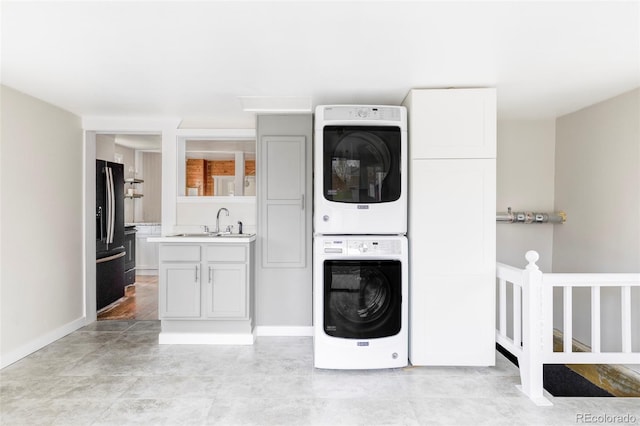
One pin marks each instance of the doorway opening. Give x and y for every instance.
(134, 292)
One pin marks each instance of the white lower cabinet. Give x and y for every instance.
(206, 293)
(146, 251)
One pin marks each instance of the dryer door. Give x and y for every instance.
(361, 164)
(362, 298)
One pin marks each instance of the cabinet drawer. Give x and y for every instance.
(174, 253)
(226, 253)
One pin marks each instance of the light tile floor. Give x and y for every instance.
(115, 373)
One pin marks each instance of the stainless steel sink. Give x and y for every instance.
(212, 235)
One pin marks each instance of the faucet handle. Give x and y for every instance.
(206, 228)
(229, 228)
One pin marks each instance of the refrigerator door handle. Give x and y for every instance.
(110, 205)
(113, 206)
(110, 258)
(106, 188)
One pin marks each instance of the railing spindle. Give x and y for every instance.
(595, 319)
(503, 307)
(625, 314)
(517, 315)
(567, 332)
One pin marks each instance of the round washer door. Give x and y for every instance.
(362, 299)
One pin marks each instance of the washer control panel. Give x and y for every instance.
(362, 247)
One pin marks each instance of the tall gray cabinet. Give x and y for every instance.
(284, 201)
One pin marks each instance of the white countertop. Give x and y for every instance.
(195, 238)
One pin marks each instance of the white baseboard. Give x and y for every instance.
(284, 331)
(168, 338)
(40, 342)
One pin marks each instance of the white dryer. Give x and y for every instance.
(360, 304)
(360, 170)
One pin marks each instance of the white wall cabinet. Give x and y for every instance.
(452, 123)
(206, 289)
(452, 198)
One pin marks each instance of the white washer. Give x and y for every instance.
(360, 169)
(360, 302)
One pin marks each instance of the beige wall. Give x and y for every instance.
(41, 223)
(525, 179)
(105, 147)
(598, 185)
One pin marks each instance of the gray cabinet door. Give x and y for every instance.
(179, 295)
(283, 160)
(226, 290)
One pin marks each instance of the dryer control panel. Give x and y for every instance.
(360, 247)
(390, 113)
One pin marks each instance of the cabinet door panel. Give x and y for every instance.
(285, 167)
(283, 214)
(284, 239)
(179, 295)
(452, 215)
(454, 123)
(227, 291)
(453, 322)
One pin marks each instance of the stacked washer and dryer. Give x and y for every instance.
(360, 271)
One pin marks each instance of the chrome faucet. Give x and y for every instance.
(218, 219)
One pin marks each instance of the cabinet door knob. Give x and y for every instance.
(196, 273)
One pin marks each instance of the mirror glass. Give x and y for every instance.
(214, 168)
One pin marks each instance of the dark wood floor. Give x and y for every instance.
(140, 302)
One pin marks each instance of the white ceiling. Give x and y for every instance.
(196, 60)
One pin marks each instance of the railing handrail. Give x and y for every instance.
(595, 279)
(534, 312)
(509, 273)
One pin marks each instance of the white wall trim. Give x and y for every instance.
(134, 125)
(168, 338)
(216, 133)
(40, 342)
(285, 331)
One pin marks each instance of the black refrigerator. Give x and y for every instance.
(110, 251)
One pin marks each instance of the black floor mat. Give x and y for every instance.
(560, 380)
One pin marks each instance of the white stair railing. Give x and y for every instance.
(532, 320)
